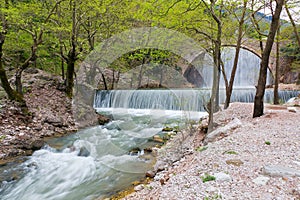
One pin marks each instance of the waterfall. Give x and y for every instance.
(189, 99)
(247, 70)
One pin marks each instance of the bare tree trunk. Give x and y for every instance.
(276, 96)
(72, 57)
(260, 91)
(293, 23)
(236, 57)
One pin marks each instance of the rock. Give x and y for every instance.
(261, 180)
(292, 109)
(31, 70)
(150, 174)
(37, 144)
(55, 121)
(160, 166)
(83, 152)
(139, 188)
(157, 138)
(281, 171)
(211, 189)
(103, 119)
(167, 129)
(211, 137)
(222, 177)
(235, 162)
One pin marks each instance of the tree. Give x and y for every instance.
(229, 86)
(276, 95)
(12, 94)
(260, 91)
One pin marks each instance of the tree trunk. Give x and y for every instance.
(276, 96)
(260, 91)
(293, 24)
(70, 74)
(12, 94)
(72, 57)
(236, 58)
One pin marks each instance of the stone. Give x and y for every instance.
(211, 137)
(83, 152)
(292, 109)
(55, 121)
(150, 174)
(157, 138)
(261, 180)
(235, 162)
(139, 188)
(280, 171)
(160, 166)
(103, 119)
(222, 177)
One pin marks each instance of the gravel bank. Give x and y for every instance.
(257, 159)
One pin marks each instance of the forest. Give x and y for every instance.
(61, 60)
(57, 35)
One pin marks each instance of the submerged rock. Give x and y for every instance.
(83, 152)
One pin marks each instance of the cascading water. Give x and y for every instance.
(94, 163)
(188, 100)
(247, 70)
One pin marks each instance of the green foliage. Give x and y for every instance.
(207, 178)
(231, 152)
(202, 148)
(267, 142)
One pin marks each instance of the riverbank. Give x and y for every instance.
(250, 159)
(51, 115)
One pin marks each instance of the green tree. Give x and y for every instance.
(260, 91)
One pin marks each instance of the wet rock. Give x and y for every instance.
(281, 171)
(157, 138)
(103, 119)
(139, 188)
(150, 174)
(167, 129)
(83, 152)
(37, 144)
(261, 180)
(235, 162)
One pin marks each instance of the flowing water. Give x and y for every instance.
(177, 99)
(98, 161)
(95, 162)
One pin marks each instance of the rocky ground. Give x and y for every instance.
(51, 116)
(244, 158)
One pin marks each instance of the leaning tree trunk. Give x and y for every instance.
(261, 86)
(276, 95)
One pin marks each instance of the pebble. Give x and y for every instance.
(261, 180)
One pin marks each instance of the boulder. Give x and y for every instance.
(211, 137)
(280, 171)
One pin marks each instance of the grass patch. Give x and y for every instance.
(202, 148)
(267, 142)
(207, 178)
